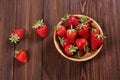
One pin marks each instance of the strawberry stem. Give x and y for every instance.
(71, 26)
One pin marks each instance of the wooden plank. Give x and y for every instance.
(28, 12)
(7, 23)
(105, 12)
(55, 66)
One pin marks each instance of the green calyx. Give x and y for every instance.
(84, 19)
(57, 27)
(65, 17)
(81, 26)
(38, 24)
(73, 48)
(100, 36)
(16, 52)
(86, 48)
(61, 39)
(14, 38)
(71, 30)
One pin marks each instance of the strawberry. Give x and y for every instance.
(96, 41)
(21, 56)
(70, 20)
(94, 31)
(82, 44)
(60, 31)
(83, 30)
(71, 35)
(16, 35)
(70, 50)
(41, 29)
(63, 41)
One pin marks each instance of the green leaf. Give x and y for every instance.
(57, 27)
(38, 24)
(14, 38)
(100, 36)
(86, 48)
(73, 48)
(80, 26)
(65, 17)
(84, 19)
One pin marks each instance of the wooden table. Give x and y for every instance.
(45, 63)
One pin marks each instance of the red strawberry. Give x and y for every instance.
(41, 28)
(60, 31)
(82, 44)
(96, 41)
(94, 31)
(71, 35)
(70, 20)
(21, 56)
(70, 50)
(83, 30)
(16, 35)
(63, 41)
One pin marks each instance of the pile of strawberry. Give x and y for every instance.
(77, 36)
(17, 35)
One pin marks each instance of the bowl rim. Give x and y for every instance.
(78, 59)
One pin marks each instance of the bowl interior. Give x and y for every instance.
(87, 56)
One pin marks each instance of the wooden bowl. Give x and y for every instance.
(87, 56)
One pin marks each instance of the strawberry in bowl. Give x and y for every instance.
(80, 37)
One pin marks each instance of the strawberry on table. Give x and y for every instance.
(71, 35)
(60, 31)
(63, 41)
(83, 30)
(16, 35)
(70, 20)
(96, 41)
(70, 50)
(82, 44)
(41, 28)
(21, 56)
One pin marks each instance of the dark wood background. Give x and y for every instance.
(45, 63)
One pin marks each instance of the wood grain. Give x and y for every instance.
(7, 23)
(45, 63)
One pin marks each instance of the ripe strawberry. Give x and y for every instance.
(94, 31)
(70, 50)
(60, 31)
(71, 35)
(16, 35)
(63, 41)
(41, 28)
(96, 41)
(83, 30)
(82, 44)
(21, 56)
(70, 20)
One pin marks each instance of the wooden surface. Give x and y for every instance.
(45, 63)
